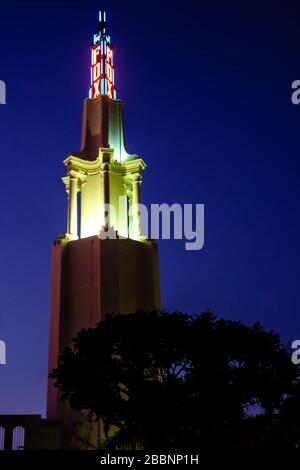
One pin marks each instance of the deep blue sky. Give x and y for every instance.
(206, 87)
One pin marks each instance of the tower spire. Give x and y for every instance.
(102, 64)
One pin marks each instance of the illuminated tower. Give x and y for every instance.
(103, 263)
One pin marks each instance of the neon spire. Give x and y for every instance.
(102, 65)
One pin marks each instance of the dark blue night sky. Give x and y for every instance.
(207, 92)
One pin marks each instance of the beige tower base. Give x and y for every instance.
(92, 277)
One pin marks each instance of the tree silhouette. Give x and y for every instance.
(170, 381)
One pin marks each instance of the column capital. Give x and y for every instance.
(73, 180)
(105, 166)
(136, 178)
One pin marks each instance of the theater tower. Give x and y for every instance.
(102, 263)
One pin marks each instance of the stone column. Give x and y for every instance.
(105, 194)
(72, 207)
(136, 200)
(83, 208)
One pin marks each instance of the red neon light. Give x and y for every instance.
(102, 69)
(96, 90)
(109, 72)
(96, 53)
(109, 89)
(96, 72)
(109, 55)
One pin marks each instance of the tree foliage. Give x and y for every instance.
(171, 381)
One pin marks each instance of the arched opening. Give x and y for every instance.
(18, 438)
